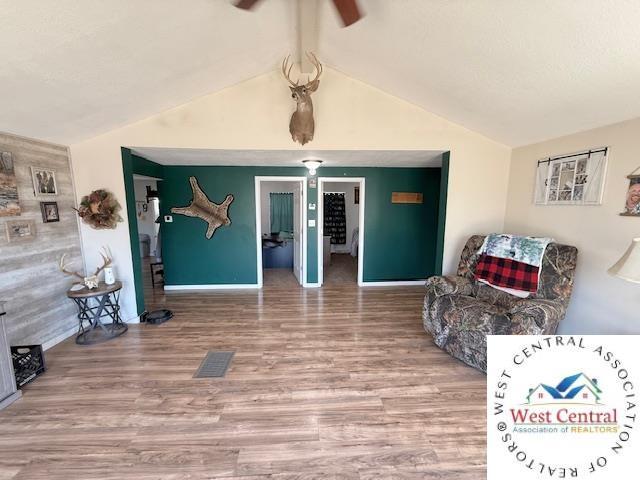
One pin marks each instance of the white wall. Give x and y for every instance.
(600, 303)
(352, 211)
(349, 115)
(146, 220)
(265, 189)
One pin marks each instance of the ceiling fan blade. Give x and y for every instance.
(246, 4)
(348, 10)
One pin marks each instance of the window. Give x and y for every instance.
(574, 179)
(541, 395)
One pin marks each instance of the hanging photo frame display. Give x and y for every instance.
(572, 179)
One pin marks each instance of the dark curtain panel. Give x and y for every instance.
(335, 221)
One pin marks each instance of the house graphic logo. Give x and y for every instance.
(574, 389)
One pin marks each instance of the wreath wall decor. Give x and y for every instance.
(100, 210)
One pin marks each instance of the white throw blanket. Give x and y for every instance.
(529, 250)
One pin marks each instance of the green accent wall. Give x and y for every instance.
(442, 211)
(400, 239)
(133, 164)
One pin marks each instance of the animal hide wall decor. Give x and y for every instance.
(201, 207)
(100, 210)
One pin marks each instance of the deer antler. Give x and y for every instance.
(63, 268)
(106, 260)
(318, 66)
(286, 70)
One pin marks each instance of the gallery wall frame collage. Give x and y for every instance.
(45, 188)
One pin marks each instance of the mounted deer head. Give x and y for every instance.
(302, 125)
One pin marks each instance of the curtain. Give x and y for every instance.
(281, 205)
(335, 220)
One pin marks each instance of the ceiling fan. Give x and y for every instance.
(347, 9)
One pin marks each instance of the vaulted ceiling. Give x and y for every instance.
(516, 71)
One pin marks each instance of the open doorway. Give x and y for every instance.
(341, 230)
(281, 232)
(149, 240)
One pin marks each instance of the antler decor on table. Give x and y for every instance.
(90, 281)
(63, 269)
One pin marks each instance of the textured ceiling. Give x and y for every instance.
(72, 69)
(517, 71)
(292, 158)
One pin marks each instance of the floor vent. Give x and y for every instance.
(215, 364)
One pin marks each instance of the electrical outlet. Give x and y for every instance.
(312, 206)
(312, 223)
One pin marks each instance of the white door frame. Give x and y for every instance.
(303, 226)
(320, 228)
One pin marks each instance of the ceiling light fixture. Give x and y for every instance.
(312, 165)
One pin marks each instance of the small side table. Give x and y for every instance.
(93, 306)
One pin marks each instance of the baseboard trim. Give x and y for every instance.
(231, 286)
(311, 285)
(11, 398)
(60, 338)
(400, 283)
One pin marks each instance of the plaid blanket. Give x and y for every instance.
(507, 273)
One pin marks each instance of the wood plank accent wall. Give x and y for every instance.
(38, 310)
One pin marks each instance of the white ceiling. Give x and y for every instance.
(291, 158)
(72, 69)
(517, 71)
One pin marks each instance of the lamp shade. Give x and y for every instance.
(628, 267)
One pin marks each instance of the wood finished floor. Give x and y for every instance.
(332, 383)
(342, 269)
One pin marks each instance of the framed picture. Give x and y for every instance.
(49, 212)
(9, 205)
(44, 181)
(572, 179)
(356, 195)
(632, 204)
(19, 230)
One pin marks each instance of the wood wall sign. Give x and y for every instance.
(406, 197)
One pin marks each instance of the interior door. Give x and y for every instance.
(297, 232)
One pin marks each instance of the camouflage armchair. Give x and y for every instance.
(459, 312)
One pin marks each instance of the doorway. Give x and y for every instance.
(341, 203)
(147, 208)
(280, 231)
